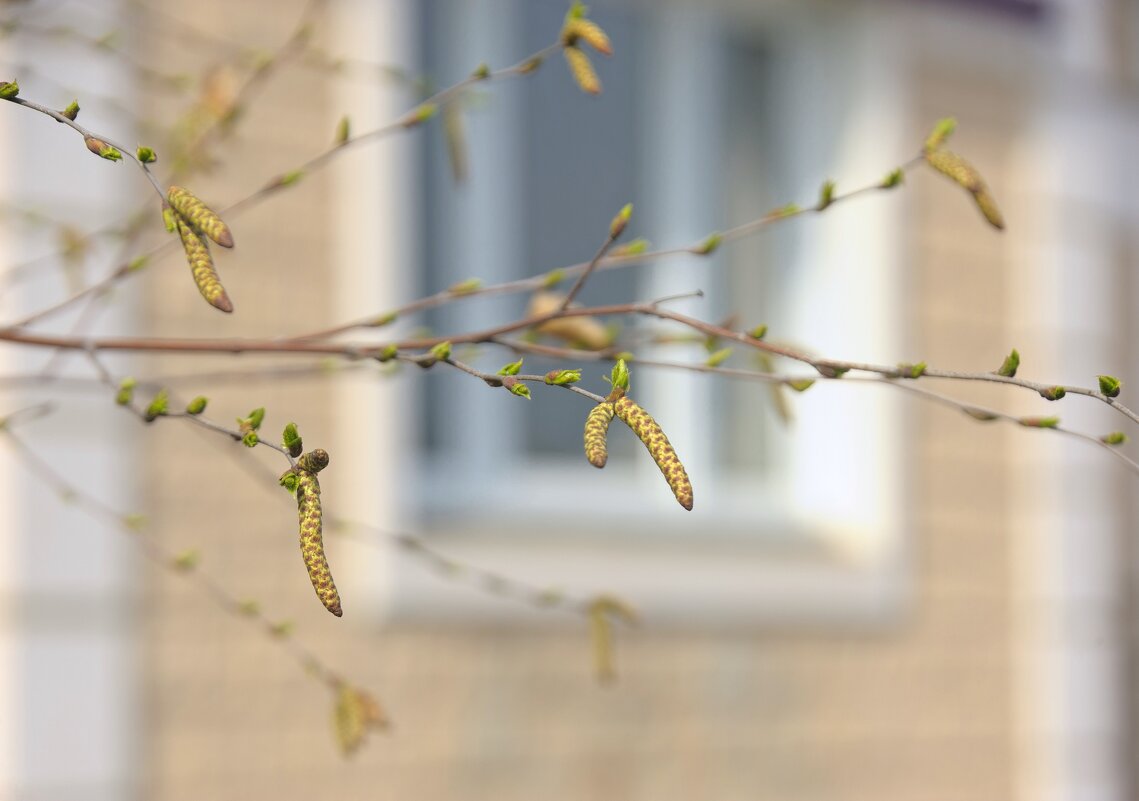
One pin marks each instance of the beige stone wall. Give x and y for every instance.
(919, 710)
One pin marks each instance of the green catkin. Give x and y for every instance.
(200, 216)
(596, 428)
(965, 175)
(202, 266)
(650, 433)
(581, 68)
(310, 517)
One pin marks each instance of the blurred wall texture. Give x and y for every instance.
(876, 596)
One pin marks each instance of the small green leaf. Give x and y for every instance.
(9, 89)
(511, 369)
(291, 440)
(387, 353)
(72, 110)
(255, 418)
(146, 155)
(1052, 393)
(481, 73)
(619, 377)
(801, 384)
(197, 405)
(1109, 385)
(289, 480)
(912, 370)
(1010, 365)
(250, 439)
(759, 332)
(1114, 438)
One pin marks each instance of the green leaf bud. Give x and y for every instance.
(1010, 365)
(709, 245)
(559, 378)
(250, 439)
(1052, 393)
(197, 405)
(343, 131)
(893, 178)
(291, 440)
(9, 89)
(442, 351)
(72, 110)
(146, 155)
(126, 392)
(158, 407)
(617, 226)
(516, 387)
(1109, 385)
(716, 358)
(1114, 438)
(466, 287)
(826, 195)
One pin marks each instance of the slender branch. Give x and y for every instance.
(309, 661)
(88, 134)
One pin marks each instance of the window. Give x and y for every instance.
(712, 121)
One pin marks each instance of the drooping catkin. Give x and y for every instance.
(581, 68)
(596, 428)
(200, 216)
(966, 175)
(310, 517)
(202, 266)
(650, 433)
(588, 31)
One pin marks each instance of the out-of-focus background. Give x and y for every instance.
(876, 597)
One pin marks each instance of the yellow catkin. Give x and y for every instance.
(202, 266)
(587, 31)
(965, 175)
(650, 433)
(354, 714)
(200, 216)
(311, 529)
(582, 70)
(596, 427)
